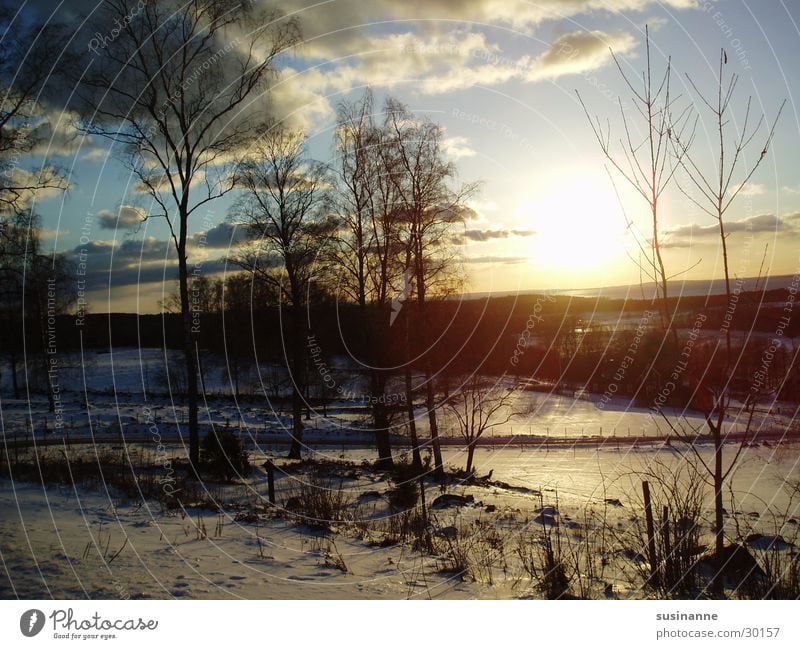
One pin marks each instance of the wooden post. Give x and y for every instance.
(271, 481)
(422, 498)
(651, 534)
(669, 572)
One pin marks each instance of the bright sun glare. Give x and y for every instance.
(579, 224)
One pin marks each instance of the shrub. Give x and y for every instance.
(320, 501)
(223, 454)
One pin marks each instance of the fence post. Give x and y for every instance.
(271, 481)
(651, 533)
(669, 572)
(422, 498)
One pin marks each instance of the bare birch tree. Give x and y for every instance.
(643, 158)
(367, 246)
(172, 93)
(714, 188)
(29, 55)
(480, 404)
(430, 209)
(285, 208)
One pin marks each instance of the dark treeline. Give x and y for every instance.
(569, 340)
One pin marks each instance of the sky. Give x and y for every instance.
(501, 77)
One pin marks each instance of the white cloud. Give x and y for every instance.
(579, 52)
(683, 236)
(56, 133)
(23, 186)
(298, 99)
(457, 147)
(438, 61)
(334, 29)
(750, 189)
(127, 216)
(93, 154)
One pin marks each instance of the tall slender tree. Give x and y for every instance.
(366, 248)
(285, 208)
(174, 92)
(430, 209)
(714, 188)
(643, 158)
(29, 54)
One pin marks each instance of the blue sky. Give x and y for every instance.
(501, 78)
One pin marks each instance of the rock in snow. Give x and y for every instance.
(452, 500)
(768, 542)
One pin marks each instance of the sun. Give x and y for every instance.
(578, 222)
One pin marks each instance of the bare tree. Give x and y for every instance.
(479, 405)
(367, 245)
(643, 158)
(285, 208)
(714, 191)
(173, 93)
(430, 208)
(28, 56)
(36, 288)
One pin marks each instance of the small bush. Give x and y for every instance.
(320, 501)
(223, 455)
(405, 489)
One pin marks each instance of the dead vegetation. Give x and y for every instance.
(604, 550)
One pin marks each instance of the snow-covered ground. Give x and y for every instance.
(94, 542)
(75, 542)
(123, 393)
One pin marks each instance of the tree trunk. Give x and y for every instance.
(430, 398)
(297, 425)
(717, 584)
(380, 418)
(189, 353)
(430, 404)
(14, 378)
(382, 440)
(416, 457)
(470, 455)
(295, 334)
